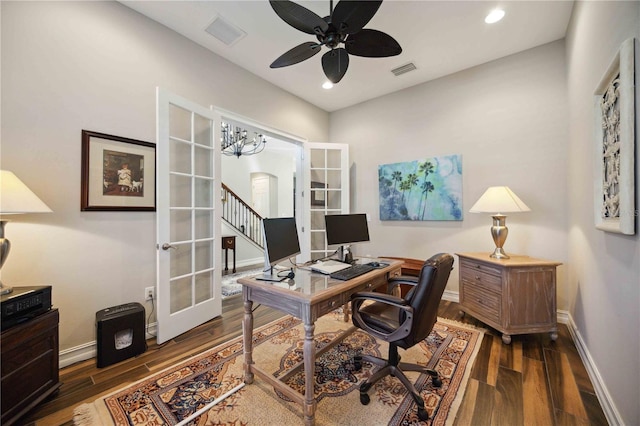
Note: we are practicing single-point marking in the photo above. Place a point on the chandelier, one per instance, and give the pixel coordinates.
(234, 141)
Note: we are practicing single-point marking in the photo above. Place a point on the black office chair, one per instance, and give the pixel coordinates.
(403, 322)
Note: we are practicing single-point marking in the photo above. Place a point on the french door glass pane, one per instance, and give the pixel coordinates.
(204, 193)
(204, 255)
(180, 156)
(180, 260)
(180, 192)
(204, 224)
(180, 294)
(180, 228)
(203, 161)
(179, 123)
(204, 286)
(203, 130)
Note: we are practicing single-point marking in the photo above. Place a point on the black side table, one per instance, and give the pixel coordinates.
(229, 243)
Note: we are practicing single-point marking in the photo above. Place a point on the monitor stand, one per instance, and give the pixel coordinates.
(345, 255)
(269, 275)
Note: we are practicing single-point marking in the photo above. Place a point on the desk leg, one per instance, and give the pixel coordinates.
(247, 341)
(226, 259)
(309, 355)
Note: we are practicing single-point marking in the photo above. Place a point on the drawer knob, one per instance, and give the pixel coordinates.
(478, 278)
(332, 303)
(368, 285)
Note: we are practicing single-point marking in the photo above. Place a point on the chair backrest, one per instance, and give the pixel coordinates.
(425, 297)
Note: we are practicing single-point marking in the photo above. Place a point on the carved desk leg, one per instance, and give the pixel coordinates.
(247, 340)
(309, 355)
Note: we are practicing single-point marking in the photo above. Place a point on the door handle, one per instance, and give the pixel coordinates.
(167, 246)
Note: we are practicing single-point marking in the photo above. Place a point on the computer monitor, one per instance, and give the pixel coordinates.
(280, 243)
(345, 229)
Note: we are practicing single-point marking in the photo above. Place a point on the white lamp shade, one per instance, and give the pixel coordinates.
(17, 198)
(499, 199)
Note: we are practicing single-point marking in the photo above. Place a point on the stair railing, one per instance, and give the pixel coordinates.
(240, 216)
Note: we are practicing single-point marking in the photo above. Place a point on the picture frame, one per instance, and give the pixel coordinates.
(614, 115)
(428, 189)
(117, 173)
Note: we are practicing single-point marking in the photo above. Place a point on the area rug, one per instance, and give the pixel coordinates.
(171, 397)
(230, 286)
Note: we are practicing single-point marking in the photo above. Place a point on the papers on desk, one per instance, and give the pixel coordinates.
(329, 266)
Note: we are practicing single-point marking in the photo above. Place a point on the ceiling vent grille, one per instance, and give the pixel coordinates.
(403, 69)
(225, 31)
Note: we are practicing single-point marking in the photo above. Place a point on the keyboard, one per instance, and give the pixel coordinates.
(352, 272)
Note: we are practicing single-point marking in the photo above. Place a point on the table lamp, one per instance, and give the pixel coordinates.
(498, 200)
(15, 198)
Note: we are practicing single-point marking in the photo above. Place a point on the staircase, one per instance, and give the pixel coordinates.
(240, 216)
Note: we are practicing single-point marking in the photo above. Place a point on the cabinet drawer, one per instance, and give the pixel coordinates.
(482, 302)
(330, 304)
(481, 277)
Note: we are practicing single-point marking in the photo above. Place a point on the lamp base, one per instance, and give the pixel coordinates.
(499, 232)
(499, 253)
(4, 289)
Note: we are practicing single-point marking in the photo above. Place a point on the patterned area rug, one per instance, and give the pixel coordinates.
(230, 286)
(173, 396)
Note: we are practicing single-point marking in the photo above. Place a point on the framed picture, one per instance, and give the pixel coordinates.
(421, 190)
(614, 115)
(118, 174)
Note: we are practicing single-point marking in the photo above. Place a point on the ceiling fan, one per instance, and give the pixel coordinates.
(343, 25)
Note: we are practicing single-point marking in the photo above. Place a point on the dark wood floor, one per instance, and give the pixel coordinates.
(532, 381)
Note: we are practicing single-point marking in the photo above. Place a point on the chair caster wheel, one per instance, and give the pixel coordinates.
(364, 399)
(422, 414)
(436, 382)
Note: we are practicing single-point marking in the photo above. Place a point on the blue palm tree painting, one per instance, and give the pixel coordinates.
(429, 189)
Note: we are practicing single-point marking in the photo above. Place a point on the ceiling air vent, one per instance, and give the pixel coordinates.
(403, 69)
(225, 31)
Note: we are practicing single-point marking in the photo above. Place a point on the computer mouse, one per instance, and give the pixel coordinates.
(374, 264)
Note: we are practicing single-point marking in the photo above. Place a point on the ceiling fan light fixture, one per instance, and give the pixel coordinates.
(327, 85)
(494, 16)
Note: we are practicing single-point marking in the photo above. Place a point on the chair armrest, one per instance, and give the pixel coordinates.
(389, 299)
(400, 332)
(403, 279)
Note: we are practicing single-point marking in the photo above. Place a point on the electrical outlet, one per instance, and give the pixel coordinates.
(149, 293)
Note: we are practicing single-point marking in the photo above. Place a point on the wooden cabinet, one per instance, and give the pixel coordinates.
(29, 364)
(514, 296)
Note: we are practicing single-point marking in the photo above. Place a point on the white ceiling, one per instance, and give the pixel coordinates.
(439, 37)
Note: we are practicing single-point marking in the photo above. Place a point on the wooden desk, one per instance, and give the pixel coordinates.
(229, 243)
(310, 297)
(514, 296)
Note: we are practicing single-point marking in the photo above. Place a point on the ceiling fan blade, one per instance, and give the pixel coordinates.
(299, 17)
(297, 54)
(335, 63)
(372, 44)
(349, 17)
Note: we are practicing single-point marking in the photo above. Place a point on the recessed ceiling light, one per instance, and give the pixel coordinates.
(327, 85)
(494, 16)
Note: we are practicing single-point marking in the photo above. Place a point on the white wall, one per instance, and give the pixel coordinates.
(68, 66)
(508, 119)
(604, 268)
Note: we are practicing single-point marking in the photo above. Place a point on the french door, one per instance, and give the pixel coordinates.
(326, 168)
(188, 215)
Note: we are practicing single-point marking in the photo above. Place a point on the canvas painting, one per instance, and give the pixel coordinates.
(429, 189)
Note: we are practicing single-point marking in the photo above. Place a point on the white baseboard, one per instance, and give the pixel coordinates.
(89, 350)
(606, 401)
